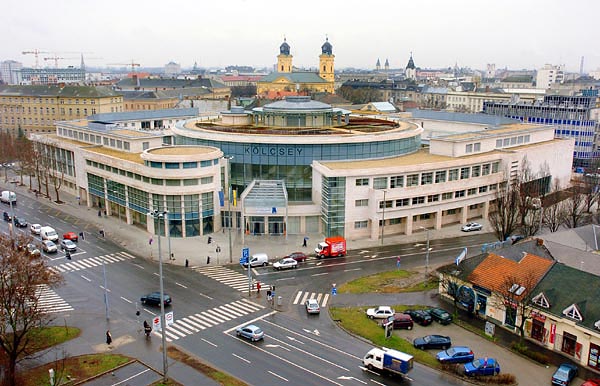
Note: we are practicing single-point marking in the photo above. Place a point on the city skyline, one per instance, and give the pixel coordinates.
(468, 33)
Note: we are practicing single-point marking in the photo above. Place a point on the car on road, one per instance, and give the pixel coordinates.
(472, 226)
(6, 216)
(380, 312)
(433, 341)
(456, 354)
(153, 298)
(71, 236)
(298, 256)
(286, 263)
(35, 229)
(251, 331)
(440, 315)
(68, 245)
(565, 373)
(20, 222)
(49, 246)
(399, 321)
(312, 306)
(33, 250)
(482, 366)
(421, 317)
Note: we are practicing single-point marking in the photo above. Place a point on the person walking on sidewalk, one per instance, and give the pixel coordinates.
(108, 337)
(304, 241)
(258, 288)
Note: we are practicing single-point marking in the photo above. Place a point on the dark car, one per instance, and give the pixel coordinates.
(432, 341)
(457, 354)
(20, 222)
(482, 366)
(421, 317)
(564, 374)
(6, 216)
(440, 315)
(154, 299)
(298, 256)
(399, 321)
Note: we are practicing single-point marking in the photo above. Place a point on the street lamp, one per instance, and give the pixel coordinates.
(229, 197)
(157, 215)
(383, 216)
(426, 255)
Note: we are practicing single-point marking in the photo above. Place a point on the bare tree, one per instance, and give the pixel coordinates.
(589, 188)
(574, 207)
(56, 170)
(23, 275)
(554, 212)
(504, 218)
(515, 294)
(26, 158)
(450, 286)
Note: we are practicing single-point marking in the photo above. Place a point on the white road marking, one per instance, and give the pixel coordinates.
(276, 375)
(320, 274)
(127, 300)
(181, 285)
(239, 357)
(89, 280)
(211, 343)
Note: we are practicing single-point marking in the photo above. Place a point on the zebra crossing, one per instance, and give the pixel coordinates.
(303, 296)
(228, 277)
(192, 324)
(90, 262)
(49, 301)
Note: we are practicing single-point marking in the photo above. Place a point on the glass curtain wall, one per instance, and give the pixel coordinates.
(333, 210)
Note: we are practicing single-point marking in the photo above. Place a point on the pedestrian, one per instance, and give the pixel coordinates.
(81, 235)
(304, 241)
(268, 295)
(108, 337)
(99, 212)
(258, 288)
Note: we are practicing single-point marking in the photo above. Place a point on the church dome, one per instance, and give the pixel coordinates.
(284, 48)
(327, 48)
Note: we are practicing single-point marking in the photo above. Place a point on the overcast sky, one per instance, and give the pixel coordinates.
(516, 34)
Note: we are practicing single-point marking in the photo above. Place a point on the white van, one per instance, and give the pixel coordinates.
(48, 233)
(258, 259)
(8, 197)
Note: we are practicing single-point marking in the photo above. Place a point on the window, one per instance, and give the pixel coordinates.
(380, 183)
(206, 180)
(388, 204)
(156, 181)
(171, 165)
(395, 221)
(412, 180)
(173, 182)
(402, 202)
(440, 176)
(477, 146)
(361, 224)
(190, 165)
(483, 189)
(469, 148)
(453, 175)
(506, 142)
(362, 182)
(126, 146)
(145, 145)
(464, 173)
(418, 200)
(190, 182)
(112, 142)
(485, 169)
(476, 171)
(396, 181)
(495, 167)
(362, 202)
(205, 164)
(427, 178)
(573, 312)
(154, 164)
(447, 196)
(433, 198)
(459, 193)
(472, 191)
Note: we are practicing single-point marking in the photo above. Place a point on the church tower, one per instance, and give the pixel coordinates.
(378, 65)
(387, 65)
(411, 70)
(284, 59)
(326, 61)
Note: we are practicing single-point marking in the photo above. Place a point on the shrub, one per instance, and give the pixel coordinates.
(534, 355)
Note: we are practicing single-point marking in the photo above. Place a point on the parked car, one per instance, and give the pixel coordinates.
(35, 229)
(433, 341)
(312, 306)
(6, 216)
(33, 250)
(49, 246)
(421, 317)
(286, 263)
(565, 373)
(68, 245)
(399, 321)
(482, 366)
(71, 236)
(298, 256)
(440, 315)
(472, 226)
(20, 222)
(456, 354)
(380, 312)
(251, 331)
(153, 298)
(591, 382)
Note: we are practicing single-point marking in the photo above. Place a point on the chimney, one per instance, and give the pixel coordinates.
(540, 242)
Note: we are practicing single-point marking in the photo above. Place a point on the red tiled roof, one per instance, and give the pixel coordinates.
(494, 270)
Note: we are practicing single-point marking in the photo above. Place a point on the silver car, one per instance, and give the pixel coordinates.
(251, 331)
(49, 246)
(68, 245)
(312, 306)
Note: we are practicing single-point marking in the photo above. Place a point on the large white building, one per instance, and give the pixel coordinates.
(548, 75)
(10, 71)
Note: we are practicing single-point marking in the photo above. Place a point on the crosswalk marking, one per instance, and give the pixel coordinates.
(91, 262)
(49, 301)
(321, 298)
(233, 279)
(192, 324)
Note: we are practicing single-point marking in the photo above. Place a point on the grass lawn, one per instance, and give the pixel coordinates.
(51, 336)
(354, 319)
(395, 281)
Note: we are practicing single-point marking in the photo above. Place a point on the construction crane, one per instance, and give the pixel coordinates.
(35, 52)
(132, 64)
(57, 58)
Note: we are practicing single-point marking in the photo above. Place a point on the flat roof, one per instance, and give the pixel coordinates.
(129, 133)
(132, 157)
(492, 132)
(182, 150)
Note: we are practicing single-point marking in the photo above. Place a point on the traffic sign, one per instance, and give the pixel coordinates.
(156, 323)
(169, 318)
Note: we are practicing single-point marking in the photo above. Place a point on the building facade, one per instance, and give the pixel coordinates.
(548, 75)
(34, 109)
(10, 71)
(44, 76)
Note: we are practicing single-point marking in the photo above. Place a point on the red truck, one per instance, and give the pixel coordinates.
(331, 247)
